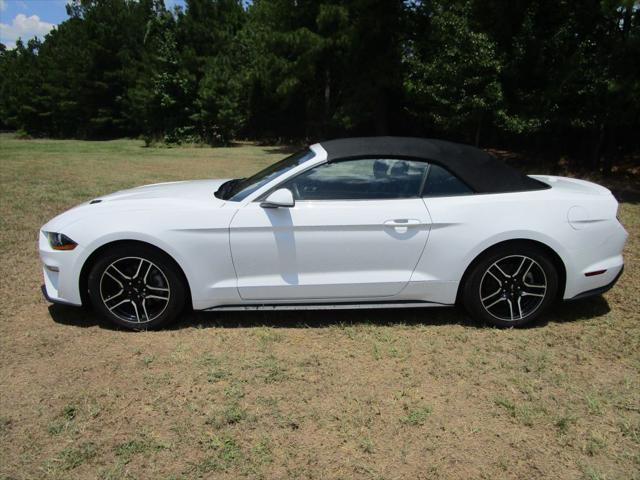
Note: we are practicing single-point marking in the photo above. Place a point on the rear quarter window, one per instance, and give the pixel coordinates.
(442, 183)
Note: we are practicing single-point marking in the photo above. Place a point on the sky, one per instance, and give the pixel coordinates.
(35, 18)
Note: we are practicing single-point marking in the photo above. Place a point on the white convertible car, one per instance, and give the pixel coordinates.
(354, 223)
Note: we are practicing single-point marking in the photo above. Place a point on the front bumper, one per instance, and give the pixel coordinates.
(57, 301)
(61, 271)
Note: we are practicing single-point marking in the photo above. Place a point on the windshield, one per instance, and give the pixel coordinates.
(240, 188)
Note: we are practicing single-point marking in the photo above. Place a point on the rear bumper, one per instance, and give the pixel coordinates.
(599, 290)
(595, 248)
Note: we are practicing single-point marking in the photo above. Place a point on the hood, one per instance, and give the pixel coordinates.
(185, 190)
(165, 196)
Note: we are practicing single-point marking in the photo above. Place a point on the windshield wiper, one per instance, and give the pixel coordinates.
(226, 188)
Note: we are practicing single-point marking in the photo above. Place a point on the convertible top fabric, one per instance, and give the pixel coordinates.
(482, 172)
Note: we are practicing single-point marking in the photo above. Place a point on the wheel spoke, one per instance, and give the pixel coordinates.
(504, 275)
(144, 279)
(135, 307)
(166, 299)
(510, 309)
(491, 295)
(157, 289)
(118, 273)
(114, 279)
(520, 267)
(113, 297)
(534, 290)
(139, 267)
(496, 278)
(144, 309)
(529, 294)
(118, 304)
(519, 307)
(497, 273)
(501, 299)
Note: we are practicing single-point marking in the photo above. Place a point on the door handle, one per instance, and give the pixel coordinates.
(403, 222)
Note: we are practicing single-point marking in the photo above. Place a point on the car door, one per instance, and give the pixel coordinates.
(357, 230)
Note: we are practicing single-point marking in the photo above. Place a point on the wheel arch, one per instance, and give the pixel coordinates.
(553, 255)
(95, 255)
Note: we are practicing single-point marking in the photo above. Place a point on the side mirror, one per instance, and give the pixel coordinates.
(280, 198)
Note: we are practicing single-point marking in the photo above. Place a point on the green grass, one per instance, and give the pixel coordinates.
(224, 453)
(344, 394)
(416, 415)
(142, 445)
(64, 421)
(73, 457)
(522, 412)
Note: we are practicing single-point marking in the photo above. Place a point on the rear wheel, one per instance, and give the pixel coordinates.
(137, 287)
(511, 286)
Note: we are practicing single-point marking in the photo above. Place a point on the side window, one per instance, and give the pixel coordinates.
(441, 183)
(363, 179)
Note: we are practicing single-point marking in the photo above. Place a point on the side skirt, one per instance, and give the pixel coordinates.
(326, 306)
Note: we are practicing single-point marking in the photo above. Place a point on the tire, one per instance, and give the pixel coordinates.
(511, 285)
(137, 287)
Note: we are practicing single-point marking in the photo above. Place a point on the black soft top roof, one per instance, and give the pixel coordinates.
(484, 173)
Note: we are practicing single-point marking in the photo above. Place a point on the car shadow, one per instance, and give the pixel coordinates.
(585, 309)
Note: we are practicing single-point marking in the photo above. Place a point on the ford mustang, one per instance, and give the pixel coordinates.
(381, 222)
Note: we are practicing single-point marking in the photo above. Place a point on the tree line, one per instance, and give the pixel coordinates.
(562, 75)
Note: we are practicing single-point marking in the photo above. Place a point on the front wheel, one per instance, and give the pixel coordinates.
(137, 287)
(511, 286)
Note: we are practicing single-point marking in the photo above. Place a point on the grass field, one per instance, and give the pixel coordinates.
(364, 394)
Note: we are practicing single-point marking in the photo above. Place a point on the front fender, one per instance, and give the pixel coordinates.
(197, 240)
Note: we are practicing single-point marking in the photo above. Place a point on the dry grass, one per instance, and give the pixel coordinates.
(377, 394)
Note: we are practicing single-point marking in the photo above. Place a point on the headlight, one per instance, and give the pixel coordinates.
(59, 241)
